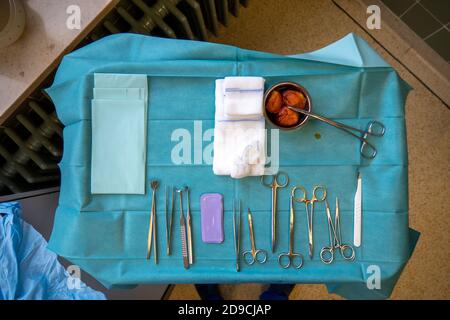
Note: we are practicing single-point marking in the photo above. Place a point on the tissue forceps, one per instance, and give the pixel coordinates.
(374, 128)
(291, 255)
(169, 218)
(237, 231)
(253, 255)
(318, 195)
(274, 185)
(334, 230)
(152, 227)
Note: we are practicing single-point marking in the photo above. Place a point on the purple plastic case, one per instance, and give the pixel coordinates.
(211, 209)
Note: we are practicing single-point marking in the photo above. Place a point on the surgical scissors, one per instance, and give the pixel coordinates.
(291, 255)
(327, 253)
(374, 128)
(274, 185)
(319, 194)
(253, 255)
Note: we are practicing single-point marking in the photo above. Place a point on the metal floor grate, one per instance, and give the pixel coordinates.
(31, 139)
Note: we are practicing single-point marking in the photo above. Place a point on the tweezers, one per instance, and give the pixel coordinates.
(237, 231)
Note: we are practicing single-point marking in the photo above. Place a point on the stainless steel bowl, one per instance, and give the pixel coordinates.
(287, 86)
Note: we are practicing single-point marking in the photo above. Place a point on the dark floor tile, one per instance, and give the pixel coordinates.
(439, 8)
(398, 6)
(440, 42)
(419, 20)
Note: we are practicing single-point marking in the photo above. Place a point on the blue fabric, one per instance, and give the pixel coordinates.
(28, 270)
(119, 129)
(107, 234)
(118, 142)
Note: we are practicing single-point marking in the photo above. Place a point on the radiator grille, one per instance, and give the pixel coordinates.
(31, 139)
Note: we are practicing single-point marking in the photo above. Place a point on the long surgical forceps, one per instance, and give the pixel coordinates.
(237, 231)
(253, 255)
(291, 255)
(274, 185)
(318, 195)
(152, 227)
(374, 128)
(169, 218)
(334, 230)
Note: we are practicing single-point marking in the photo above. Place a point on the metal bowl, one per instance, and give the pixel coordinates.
(287, 86)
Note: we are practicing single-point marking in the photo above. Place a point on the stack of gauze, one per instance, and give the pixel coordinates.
(239, 130)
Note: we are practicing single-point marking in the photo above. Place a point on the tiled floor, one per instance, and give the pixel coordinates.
(430, 19)
(292, 26)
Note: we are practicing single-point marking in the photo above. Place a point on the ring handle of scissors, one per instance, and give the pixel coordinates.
(316, 193)
(376, 128)
(290, 261)
(350, 256)
(275, 180)
(259, 256)
(367, 149)
(300, 199)
(261, 253)
(248, 257)
(327, 255)
(298, 265)
(264, 183)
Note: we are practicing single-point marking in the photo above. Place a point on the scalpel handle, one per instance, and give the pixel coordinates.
(183, 244)
(357, 213)
(189, 239)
